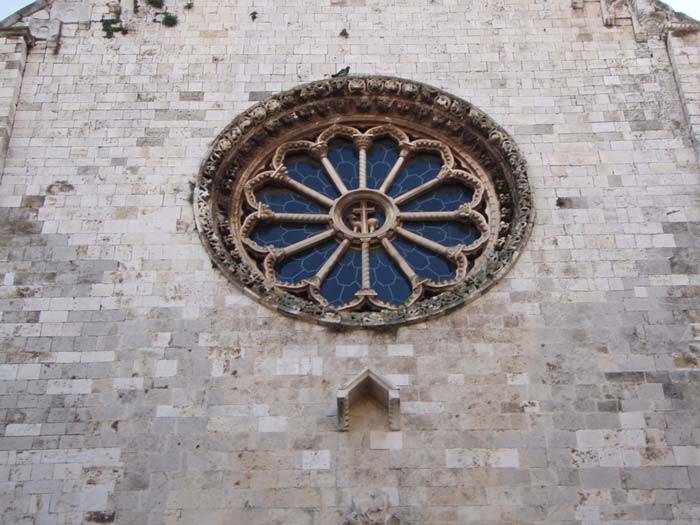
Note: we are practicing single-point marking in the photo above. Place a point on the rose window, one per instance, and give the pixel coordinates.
(361, 218)
(363, 202)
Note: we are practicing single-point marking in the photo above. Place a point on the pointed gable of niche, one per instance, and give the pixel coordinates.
(368, 383)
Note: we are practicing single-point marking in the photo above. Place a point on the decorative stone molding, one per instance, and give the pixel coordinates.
(373, 510)
(680, 28)
(648, 17)
(657, 18)
(368, 383)
(20, 32)
(610, 13)
(252, 149)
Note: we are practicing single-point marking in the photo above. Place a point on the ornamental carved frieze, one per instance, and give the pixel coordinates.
(363, 201)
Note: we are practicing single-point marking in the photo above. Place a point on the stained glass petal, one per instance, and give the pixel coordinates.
(447, 233)
(345, 279)
(306, 264)
(284, 234)
(282, 200)
(310, 172)
(381, 157)
(447, 197)
(387, 279)
(346, 161)
(425, 262)
(417, 171)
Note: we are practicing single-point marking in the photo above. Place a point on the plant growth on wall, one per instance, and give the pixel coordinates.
(115, 24)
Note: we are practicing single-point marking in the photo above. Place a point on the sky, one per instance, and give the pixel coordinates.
(689, 7)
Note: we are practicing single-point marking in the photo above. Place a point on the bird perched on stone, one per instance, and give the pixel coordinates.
(342, 73)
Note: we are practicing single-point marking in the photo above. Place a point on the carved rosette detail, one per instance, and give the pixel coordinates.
(475, 153)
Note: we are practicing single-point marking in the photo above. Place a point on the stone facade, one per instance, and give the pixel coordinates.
(138, 386)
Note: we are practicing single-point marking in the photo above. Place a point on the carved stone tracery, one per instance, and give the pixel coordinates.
(354, 217)
(250, 154)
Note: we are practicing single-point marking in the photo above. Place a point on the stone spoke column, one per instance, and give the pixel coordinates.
(14, 45)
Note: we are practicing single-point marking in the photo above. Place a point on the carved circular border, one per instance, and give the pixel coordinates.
(449, 116)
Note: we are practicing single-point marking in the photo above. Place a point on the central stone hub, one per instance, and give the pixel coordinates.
(364, 214)
(364, 218)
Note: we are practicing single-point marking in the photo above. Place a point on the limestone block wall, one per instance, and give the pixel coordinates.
(137, 386)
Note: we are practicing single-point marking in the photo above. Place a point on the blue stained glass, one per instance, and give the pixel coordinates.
(306, 264)
(346, 161)
(280, 235)
(286, 201)
(345, 279)
(447, 233)
(448, 197)
(387, 279)
(425, 262)
(417, 171)
(309, 172)
(381, 157)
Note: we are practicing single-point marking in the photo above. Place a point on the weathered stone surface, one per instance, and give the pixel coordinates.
(138, 386)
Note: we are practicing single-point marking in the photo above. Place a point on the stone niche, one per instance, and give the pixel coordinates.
(368, 384)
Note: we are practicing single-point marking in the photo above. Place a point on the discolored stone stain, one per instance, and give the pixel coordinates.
(685, 360)
(564, 203)
(348, 3)
(26, 291)
(60, 186)
(98, 516)
(136, 481)
(191, 96)
(33, 201)
(685, 261)
(19, 221)
(625, 377)
(190, 197)
(655, 450)
(673, 391)
(258, 96)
